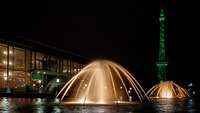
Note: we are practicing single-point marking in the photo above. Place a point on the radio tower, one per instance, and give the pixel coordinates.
(162, 62)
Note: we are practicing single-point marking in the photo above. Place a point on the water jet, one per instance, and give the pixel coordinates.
(102, 82)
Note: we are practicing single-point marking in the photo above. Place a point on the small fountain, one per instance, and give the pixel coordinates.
(102, 82)
(167, 89)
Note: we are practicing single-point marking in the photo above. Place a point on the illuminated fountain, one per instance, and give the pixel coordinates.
(167, 89)
(102, 82)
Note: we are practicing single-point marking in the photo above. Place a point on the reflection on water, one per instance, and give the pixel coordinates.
(191, 106)
(39, 105)
(4, 105)
(168, 105)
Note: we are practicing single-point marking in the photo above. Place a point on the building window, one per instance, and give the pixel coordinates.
(39, 60)
(3, 65)
(3, 78)
(3, 56)
(20, 79)
(53, 64)
(32, 60)
(66, 66)
(19, 59)
(17, 64)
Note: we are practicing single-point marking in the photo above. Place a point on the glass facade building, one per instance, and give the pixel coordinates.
(22, 65)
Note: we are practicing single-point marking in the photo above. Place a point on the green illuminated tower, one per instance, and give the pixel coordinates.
(162, 62)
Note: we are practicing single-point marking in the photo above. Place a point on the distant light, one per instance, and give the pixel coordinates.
(39, 81)
(5, 52)
(57, 80)
(44, 72)
(10, 52)
(56, 100)
(85, 85)
(5, 78)
(10, 73)
(190, 85)
(38, 72)
(130, 88)
(10, 63)
(121, 87)
(4, 62)
(194, 92)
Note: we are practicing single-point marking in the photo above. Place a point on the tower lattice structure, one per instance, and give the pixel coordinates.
(162, 62)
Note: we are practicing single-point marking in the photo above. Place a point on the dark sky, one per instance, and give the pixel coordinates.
(127, 33)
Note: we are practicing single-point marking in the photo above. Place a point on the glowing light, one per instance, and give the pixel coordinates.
(39, 81)
(166, 93)
(10, 52)
(162, 62)
(190, 85)
(167, 89)
(101, 82)
(4, 62)
(57, 80)
(5, 52)
(10, 63)
(56, 100)
(5, 78)
(193, 92)
(10, 73)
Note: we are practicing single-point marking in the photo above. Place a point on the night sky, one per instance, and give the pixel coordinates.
(127, 33)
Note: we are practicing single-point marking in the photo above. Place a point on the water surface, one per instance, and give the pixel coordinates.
(41, 105)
